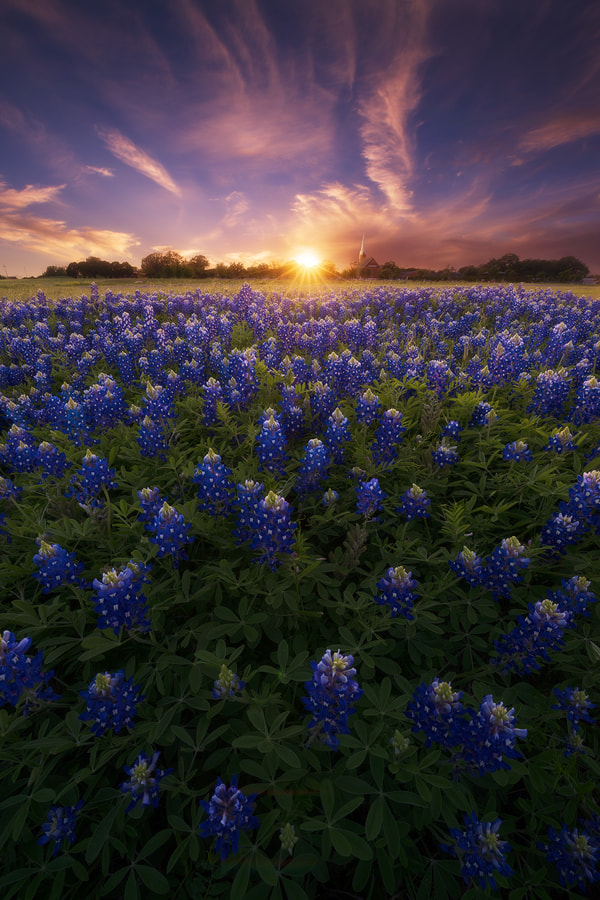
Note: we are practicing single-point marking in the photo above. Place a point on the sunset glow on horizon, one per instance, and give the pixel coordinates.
(255, 130)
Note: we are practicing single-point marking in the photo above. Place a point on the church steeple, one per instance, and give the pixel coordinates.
(363, 253)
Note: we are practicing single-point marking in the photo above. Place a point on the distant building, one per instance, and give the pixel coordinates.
(367, 267)
(589, 279)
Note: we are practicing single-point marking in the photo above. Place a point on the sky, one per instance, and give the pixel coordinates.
(447, 132)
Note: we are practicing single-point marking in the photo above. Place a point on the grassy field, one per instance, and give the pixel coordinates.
(58, 288)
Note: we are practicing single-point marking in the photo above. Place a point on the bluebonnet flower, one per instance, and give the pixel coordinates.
(119, 601)
(227, 684)
(534, 636)
(414, 503)
(56, 567)
(435, 709)
(288, 838)
(445, 454)
(517, 451)
(575, 854)
(331, 692)
(452, 430)
(213, 395)
(336, 435)
(483, 414)
(438, 374)
(551, 392)
(400, 742)
(170, 533)
(9, 490)
(574, 745)
(51, 459)
(215, 490)
(575, 703)
(75, 423)
(562, 529)
(313, 467)
(503, 567)
(271, 443)
(111, 702)
(367, 408)
(330, 497)
(274, 530)
(152, 437)
(21, 675)
(586, 405)
(576, 594)
(387, 437)
(60, 824)
(398, 591)
(229, 812)
(480, 851)
(468, 566)
(248, 518)
(561, 441)
(151, 502)
(584, 498)
(144, 781)
(92, 477)
(370, 498)
(486, 738)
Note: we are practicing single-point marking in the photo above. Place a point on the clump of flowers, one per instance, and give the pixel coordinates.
(111, 702)
(575, 853)
(331, 693)
(445, 454)
(414, 503)
(369, 498)
(274, 532)
(60, 825)
(313, 467)
(229, 812)
(483, 414)
(576, 704)
(56, 567)
(398, 591)
(271, 443)
(480, 851)
(468, 566)
(144, 781)
(517, 451)
(21, 675)
(215, 489)
(534, 636)
(119, 601)
(367, 408)
(503, 567)
(92, 477)
(170, 533)
(561, 441)
(336, 435)
(387, 437)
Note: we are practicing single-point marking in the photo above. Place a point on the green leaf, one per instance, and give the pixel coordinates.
(153, 879)
(101, 833)
(132, 891)
(327, 798)
(374, 821)
(156, 841)
(340, 842)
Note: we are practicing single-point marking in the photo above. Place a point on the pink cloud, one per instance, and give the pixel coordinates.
(561, 130)
(13, 199)
(55, 239)
(125, 150)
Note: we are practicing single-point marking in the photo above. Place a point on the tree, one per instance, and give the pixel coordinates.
(198, 264)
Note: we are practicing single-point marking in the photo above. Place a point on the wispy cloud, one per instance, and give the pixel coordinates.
(100, 170)
(13, 199)
(561, 130)
(237, 205)
(55, 239)
(125, 150)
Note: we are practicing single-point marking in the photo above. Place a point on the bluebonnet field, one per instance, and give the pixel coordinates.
(299, 594)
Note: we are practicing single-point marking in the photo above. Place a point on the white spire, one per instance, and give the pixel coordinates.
(363, 253)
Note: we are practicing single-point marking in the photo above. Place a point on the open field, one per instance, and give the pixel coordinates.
(299, 594)
(56, 288)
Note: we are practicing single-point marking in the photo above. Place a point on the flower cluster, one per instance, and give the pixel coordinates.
(21, 675)
(561, 441)
(575, 853)
(576, 704)
(370, 498)
(229, 812)
(479, 741)
(313, 467)
(144, 781)
(483, 414)
(331, 692)
(480, 851)
(398, 591)
(119, 601)
(92, 477)
(215, 489)
(111, 702)
(534, 636)
(56, 567)
(387, 437)
(271, 443)
(170, 533)
(367, 408)
(60, 824)
(445, 454)
(414, 503)
(336, 435)
(274, 532)
(517, 451)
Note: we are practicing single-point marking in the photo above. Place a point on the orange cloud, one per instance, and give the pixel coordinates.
(13, 199)
(138, 159)
(561, 130)
(54, 238)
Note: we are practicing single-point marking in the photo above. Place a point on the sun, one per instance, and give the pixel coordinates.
(308, 259)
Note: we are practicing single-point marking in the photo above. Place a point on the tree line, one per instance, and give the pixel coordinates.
(170, 264)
